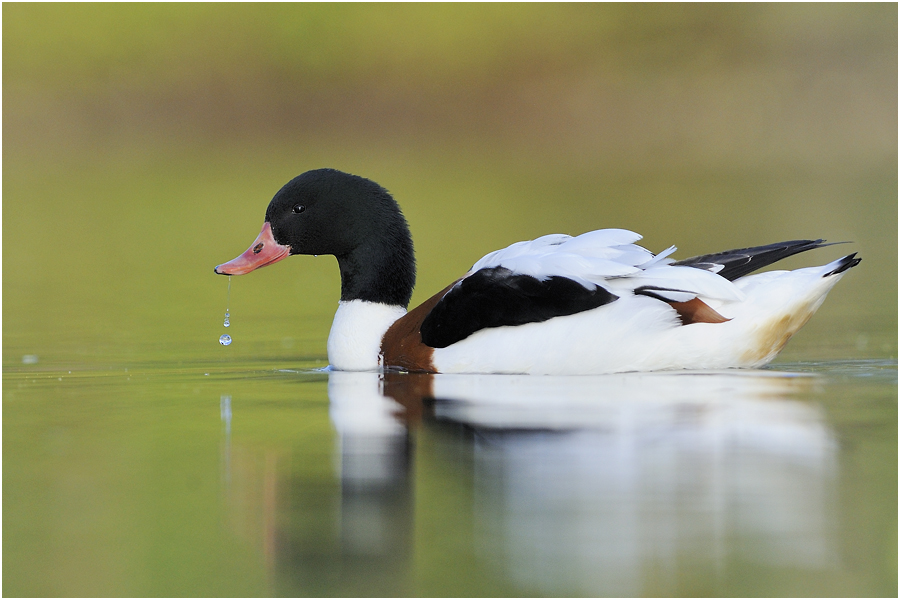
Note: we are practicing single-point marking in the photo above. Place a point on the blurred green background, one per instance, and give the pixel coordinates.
(142, 143)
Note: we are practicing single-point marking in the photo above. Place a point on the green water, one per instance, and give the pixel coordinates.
(141, 145)
(235, 479)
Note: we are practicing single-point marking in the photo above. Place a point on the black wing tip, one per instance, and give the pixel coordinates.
(844, 264)
(743, 261)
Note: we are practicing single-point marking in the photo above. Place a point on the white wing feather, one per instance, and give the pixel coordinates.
(609, 258)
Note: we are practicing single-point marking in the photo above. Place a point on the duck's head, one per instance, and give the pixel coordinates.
(326, 211)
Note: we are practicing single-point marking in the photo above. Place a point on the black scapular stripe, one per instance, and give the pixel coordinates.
(496, 296)
(742, 261)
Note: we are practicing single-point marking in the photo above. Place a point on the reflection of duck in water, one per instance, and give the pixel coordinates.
(595, 303)
(600, 485)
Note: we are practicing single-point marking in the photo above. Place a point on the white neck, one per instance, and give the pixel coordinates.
(354, 343)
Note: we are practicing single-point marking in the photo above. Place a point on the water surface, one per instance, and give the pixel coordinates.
(241, 479)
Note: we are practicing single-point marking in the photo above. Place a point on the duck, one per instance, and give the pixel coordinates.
(594, 303)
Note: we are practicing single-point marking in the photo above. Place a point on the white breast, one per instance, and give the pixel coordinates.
(355, 339)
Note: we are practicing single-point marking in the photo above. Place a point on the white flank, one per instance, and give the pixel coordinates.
(637, 333)
(355, 339)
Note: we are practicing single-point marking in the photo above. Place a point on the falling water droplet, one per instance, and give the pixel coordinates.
(225, 339)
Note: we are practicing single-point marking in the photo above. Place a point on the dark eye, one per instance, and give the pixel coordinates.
(298, 208)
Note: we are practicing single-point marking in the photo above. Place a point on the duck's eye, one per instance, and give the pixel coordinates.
(298, 208)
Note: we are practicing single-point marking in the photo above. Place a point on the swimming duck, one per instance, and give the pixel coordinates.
(589, 304)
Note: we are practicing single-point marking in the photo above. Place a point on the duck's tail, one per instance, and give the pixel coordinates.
(842, 264)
